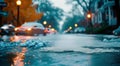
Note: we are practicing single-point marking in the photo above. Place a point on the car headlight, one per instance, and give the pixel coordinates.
(29, 29)
(16, 29)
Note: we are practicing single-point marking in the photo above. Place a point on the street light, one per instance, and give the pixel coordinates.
(45, 22)
(76, 25)
(18, 2)
(70, 27)
(89, 15)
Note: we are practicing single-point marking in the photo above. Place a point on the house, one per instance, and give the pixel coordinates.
(104, 12)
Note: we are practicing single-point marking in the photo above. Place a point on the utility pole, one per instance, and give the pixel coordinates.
(18, 2)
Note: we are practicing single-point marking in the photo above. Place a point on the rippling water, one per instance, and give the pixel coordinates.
(77, 50)
(70, 58)
(74, 50)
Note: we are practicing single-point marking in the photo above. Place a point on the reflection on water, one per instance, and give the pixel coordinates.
(20, 38)
(105, 59)
(69, 50)
(19, 59)
(72, 59)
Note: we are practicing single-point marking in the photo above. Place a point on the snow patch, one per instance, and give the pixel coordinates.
(81, 50)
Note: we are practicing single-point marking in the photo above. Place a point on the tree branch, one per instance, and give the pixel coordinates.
(87, 6)
(82, 6)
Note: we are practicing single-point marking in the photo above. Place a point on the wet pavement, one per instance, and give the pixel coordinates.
(71, 50)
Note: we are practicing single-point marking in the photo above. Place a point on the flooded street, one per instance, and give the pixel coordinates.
(59, 32)
(72, 50)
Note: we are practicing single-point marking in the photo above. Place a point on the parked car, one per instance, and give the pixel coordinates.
(117, 31)
(30, 28)
(52, 31)
(7, 29)
(79, 30)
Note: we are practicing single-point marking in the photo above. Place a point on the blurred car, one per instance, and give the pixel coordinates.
(7, 29)
(117, 31)
(52, 31)
(30, 28)
(79, 30)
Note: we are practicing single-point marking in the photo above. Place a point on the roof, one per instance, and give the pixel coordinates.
(33, 24)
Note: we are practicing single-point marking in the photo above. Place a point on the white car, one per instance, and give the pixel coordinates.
(30, 28)
(79, 30)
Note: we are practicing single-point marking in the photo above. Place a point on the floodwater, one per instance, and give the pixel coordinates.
(75, 50)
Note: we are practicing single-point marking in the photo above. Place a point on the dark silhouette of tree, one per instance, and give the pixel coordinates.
(85, 4)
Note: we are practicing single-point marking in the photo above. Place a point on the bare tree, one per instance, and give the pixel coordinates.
(85, 4)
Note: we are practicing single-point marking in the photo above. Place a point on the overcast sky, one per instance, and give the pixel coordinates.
(62, 4)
